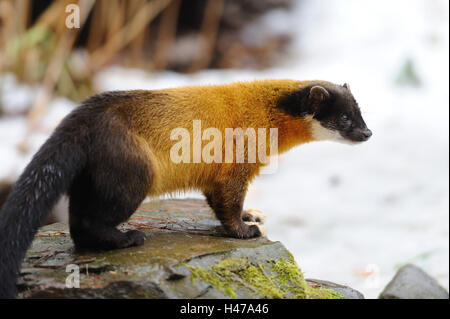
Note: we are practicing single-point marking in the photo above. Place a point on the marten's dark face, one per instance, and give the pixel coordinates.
(331, 109)
(336, 115)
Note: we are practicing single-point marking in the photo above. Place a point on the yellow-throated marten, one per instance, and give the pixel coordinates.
(114, 150)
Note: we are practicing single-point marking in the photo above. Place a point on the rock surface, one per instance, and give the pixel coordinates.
(411, 282)
(186, 255)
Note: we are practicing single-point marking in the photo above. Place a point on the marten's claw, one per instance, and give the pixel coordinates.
(261, 227)
(254, 215)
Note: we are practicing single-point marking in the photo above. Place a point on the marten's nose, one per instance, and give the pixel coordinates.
(367, 133)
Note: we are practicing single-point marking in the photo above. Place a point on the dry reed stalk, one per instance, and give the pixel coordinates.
(208, 33)
(115, 18)
(137, 44)
(22, 15)
(7, 14)
(53, 72)
(166, 35)
(51, 14)
(125, 35)
(97, 29)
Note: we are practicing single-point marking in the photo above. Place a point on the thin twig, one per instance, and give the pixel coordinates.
(208, 34)
(166, 35)
(124, 36)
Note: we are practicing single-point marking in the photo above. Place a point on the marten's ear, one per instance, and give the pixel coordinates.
(318, 93)
(347, 86)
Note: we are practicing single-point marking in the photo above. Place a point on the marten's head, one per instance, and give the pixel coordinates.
(332, 110)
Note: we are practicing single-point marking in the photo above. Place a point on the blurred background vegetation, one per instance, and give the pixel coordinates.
(181, 35)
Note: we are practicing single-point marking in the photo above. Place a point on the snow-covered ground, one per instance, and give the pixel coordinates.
(352, 215)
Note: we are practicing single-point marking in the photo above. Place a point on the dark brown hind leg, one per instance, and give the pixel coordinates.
(110, 189)
(96, 210)
(226, 200)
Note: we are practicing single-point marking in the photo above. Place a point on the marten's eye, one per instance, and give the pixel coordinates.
(345, 119)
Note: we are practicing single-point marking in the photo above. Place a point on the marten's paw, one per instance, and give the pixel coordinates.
(261, 228)
(254, 215)
(135, 238)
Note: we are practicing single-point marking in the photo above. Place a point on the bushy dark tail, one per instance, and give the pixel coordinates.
(49, 174)
(5, 189)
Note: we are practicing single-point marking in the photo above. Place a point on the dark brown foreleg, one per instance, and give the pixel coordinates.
(226, 199)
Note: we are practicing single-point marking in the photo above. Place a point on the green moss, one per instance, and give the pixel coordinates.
(291, 277)
(219, 276)
(284, 279)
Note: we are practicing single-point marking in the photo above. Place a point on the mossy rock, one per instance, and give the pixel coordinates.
(186, 255)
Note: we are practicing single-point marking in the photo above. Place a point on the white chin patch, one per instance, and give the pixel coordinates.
(320, 133)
